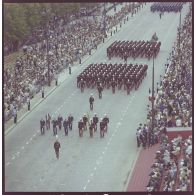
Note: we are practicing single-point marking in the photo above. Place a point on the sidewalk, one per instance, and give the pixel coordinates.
(23, 112)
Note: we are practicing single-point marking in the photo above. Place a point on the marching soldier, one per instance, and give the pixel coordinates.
(85, 120)
(80, 127)
(42, 126)
(70, 121)
(57, 147)
(65, 124)
(128, 86)
(113, 84)
(82, 85)
(48, 119)
(91, 100)
(95, 121)
(102, 126)
(100, 89)
(55, 123)
(60, 119)
(91, 127)
(106, 121)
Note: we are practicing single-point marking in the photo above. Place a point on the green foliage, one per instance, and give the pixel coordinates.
(21, 18)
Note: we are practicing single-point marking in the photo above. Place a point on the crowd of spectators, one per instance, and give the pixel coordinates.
(173, 108)
(172, 168)
(173, 103)
(60, 45)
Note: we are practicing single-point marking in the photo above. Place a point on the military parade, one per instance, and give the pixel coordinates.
(93, 87)
(167, 7)
(105, 76)
(133, 49)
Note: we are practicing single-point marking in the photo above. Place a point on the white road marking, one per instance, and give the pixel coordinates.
(92, 174)
(8, 163)
(27, 143)
(108, 143)
(37, 131)
(106, 148)
(84, 188)
(34, 135)
(31, 139)
(97, 162)
(13, 157)
(88, 181)
(95, 168)
(22, 147)
(17, 153)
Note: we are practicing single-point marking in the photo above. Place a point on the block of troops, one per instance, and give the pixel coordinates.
(104, 75)
(167, 7)
(134, 49)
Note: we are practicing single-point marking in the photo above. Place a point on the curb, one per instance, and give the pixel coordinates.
(27, 113)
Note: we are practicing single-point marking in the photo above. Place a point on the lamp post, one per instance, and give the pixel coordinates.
(48, 62)
(180, 38)
(153, 98)
(104, 20)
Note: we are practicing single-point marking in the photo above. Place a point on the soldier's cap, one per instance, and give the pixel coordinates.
(105, 114)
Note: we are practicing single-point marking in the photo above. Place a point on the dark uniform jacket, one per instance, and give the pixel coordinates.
(57, 145)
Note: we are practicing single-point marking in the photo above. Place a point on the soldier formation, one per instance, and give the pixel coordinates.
(57, 123)
(134, 49)
(167, 7)
(105, 75)
(86, 123)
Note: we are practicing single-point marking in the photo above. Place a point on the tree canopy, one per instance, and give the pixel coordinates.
(21, 18)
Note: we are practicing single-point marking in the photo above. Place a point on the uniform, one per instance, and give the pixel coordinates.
(102, 128)
(91, 100)
(55, 123)
(91, 127)
(57, 148)
(80, 127)
(42, 126)
(60, 119)
(65, 125)
(70, 121)
(106, 121)
(100, 89)
(95, 121)
(48, 119)
(85, 120)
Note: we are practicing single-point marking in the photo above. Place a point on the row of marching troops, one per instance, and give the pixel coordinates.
(104, 75)
(56, 123)
(92, 123)
(167, 7)
(83, 124)
(134, 49)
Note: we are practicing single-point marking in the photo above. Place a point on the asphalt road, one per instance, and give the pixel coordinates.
(87, 164)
